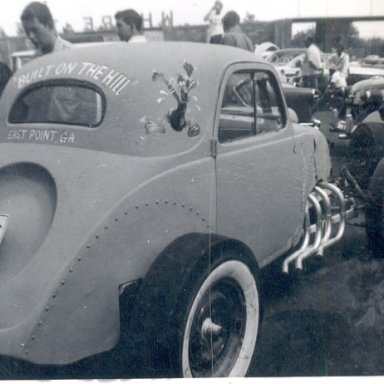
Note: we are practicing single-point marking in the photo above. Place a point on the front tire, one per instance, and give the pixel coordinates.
(375, 213)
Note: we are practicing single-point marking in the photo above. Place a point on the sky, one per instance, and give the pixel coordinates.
(189, 11)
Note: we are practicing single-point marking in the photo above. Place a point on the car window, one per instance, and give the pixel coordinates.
(59, 103)
(251, 105)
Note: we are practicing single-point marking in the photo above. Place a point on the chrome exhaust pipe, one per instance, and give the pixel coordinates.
(318, 235)
(303, 246)
(327, 225)
(337, 192)
(323, 226)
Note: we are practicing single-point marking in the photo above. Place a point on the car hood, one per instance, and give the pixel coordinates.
(365, 85)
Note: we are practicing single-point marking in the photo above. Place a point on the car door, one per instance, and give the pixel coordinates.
(259, 170)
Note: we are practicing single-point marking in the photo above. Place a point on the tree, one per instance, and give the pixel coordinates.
(299, 38)
(249, 18)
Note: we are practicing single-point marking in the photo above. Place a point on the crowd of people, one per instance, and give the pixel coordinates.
(39, 26)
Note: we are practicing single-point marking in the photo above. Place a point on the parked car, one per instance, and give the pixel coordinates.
(287, 62)
(370, 66)
(20, 58)
(263, 50)
(362, 171)
(365, 97)
(142, 189)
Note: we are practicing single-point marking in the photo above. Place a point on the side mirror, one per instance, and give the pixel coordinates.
(316, 123)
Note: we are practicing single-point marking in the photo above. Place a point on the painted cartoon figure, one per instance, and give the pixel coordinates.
(180, 89)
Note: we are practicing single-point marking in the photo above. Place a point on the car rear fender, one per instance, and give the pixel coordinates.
(82, 316)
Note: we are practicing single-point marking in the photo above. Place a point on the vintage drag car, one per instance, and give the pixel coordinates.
(364, 171)
(366, 96)
(142, 188)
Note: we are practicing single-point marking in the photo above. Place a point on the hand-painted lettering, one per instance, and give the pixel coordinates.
(42, 135)
(92, 70)
(100, 72)
(67, 138)
(17, 134)
(60, 69)
(108, 77)
(84, 66)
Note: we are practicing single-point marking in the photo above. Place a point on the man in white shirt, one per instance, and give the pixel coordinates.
(129, 26)
(311, 67)
(215, 28)
(339, 66)
(338, 69)
(39, 26)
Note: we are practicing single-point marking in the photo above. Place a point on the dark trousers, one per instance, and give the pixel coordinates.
(311, 81)
(216, 39)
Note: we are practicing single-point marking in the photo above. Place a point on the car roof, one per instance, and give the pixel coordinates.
(139, 84)
(209, 57)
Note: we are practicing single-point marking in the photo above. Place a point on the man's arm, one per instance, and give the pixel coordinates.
(208, 15)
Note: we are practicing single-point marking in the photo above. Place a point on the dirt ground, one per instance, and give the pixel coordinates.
(329, 321)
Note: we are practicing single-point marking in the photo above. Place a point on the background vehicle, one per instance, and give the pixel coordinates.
(142, 188)
(364, 69)
(365, 97)
(364, 169)
(288, 63)
(20, 58)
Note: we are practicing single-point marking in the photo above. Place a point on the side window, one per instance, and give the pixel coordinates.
(251, 105)
(237, 118)
(269, 109)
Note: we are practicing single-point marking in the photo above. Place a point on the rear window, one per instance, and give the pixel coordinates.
(59, 103)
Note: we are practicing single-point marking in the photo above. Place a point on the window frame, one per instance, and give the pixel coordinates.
(274, 83)
(62, 82)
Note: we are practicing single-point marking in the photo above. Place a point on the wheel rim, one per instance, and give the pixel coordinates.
(222, 325)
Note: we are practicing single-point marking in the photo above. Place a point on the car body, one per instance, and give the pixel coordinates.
(265, 49)
(288, 63)
(366, 96)
(370, 66)
(363, 173)
(129, 167)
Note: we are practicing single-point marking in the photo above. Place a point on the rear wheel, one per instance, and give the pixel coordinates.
(222, 323)
(199, 315)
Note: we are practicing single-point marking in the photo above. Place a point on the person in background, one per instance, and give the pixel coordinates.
(338, 65)
(338, 70)
(311, 67)
(39, 26)
(129, 26)
(233, 35)
(215, 28)
(5, 75)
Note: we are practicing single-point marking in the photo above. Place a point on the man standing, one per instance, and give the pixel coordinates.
(129, 26)
(215, 28)
(338, 69)
(311, 67)
(39, 26)
(338, 65)
(232, 32)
